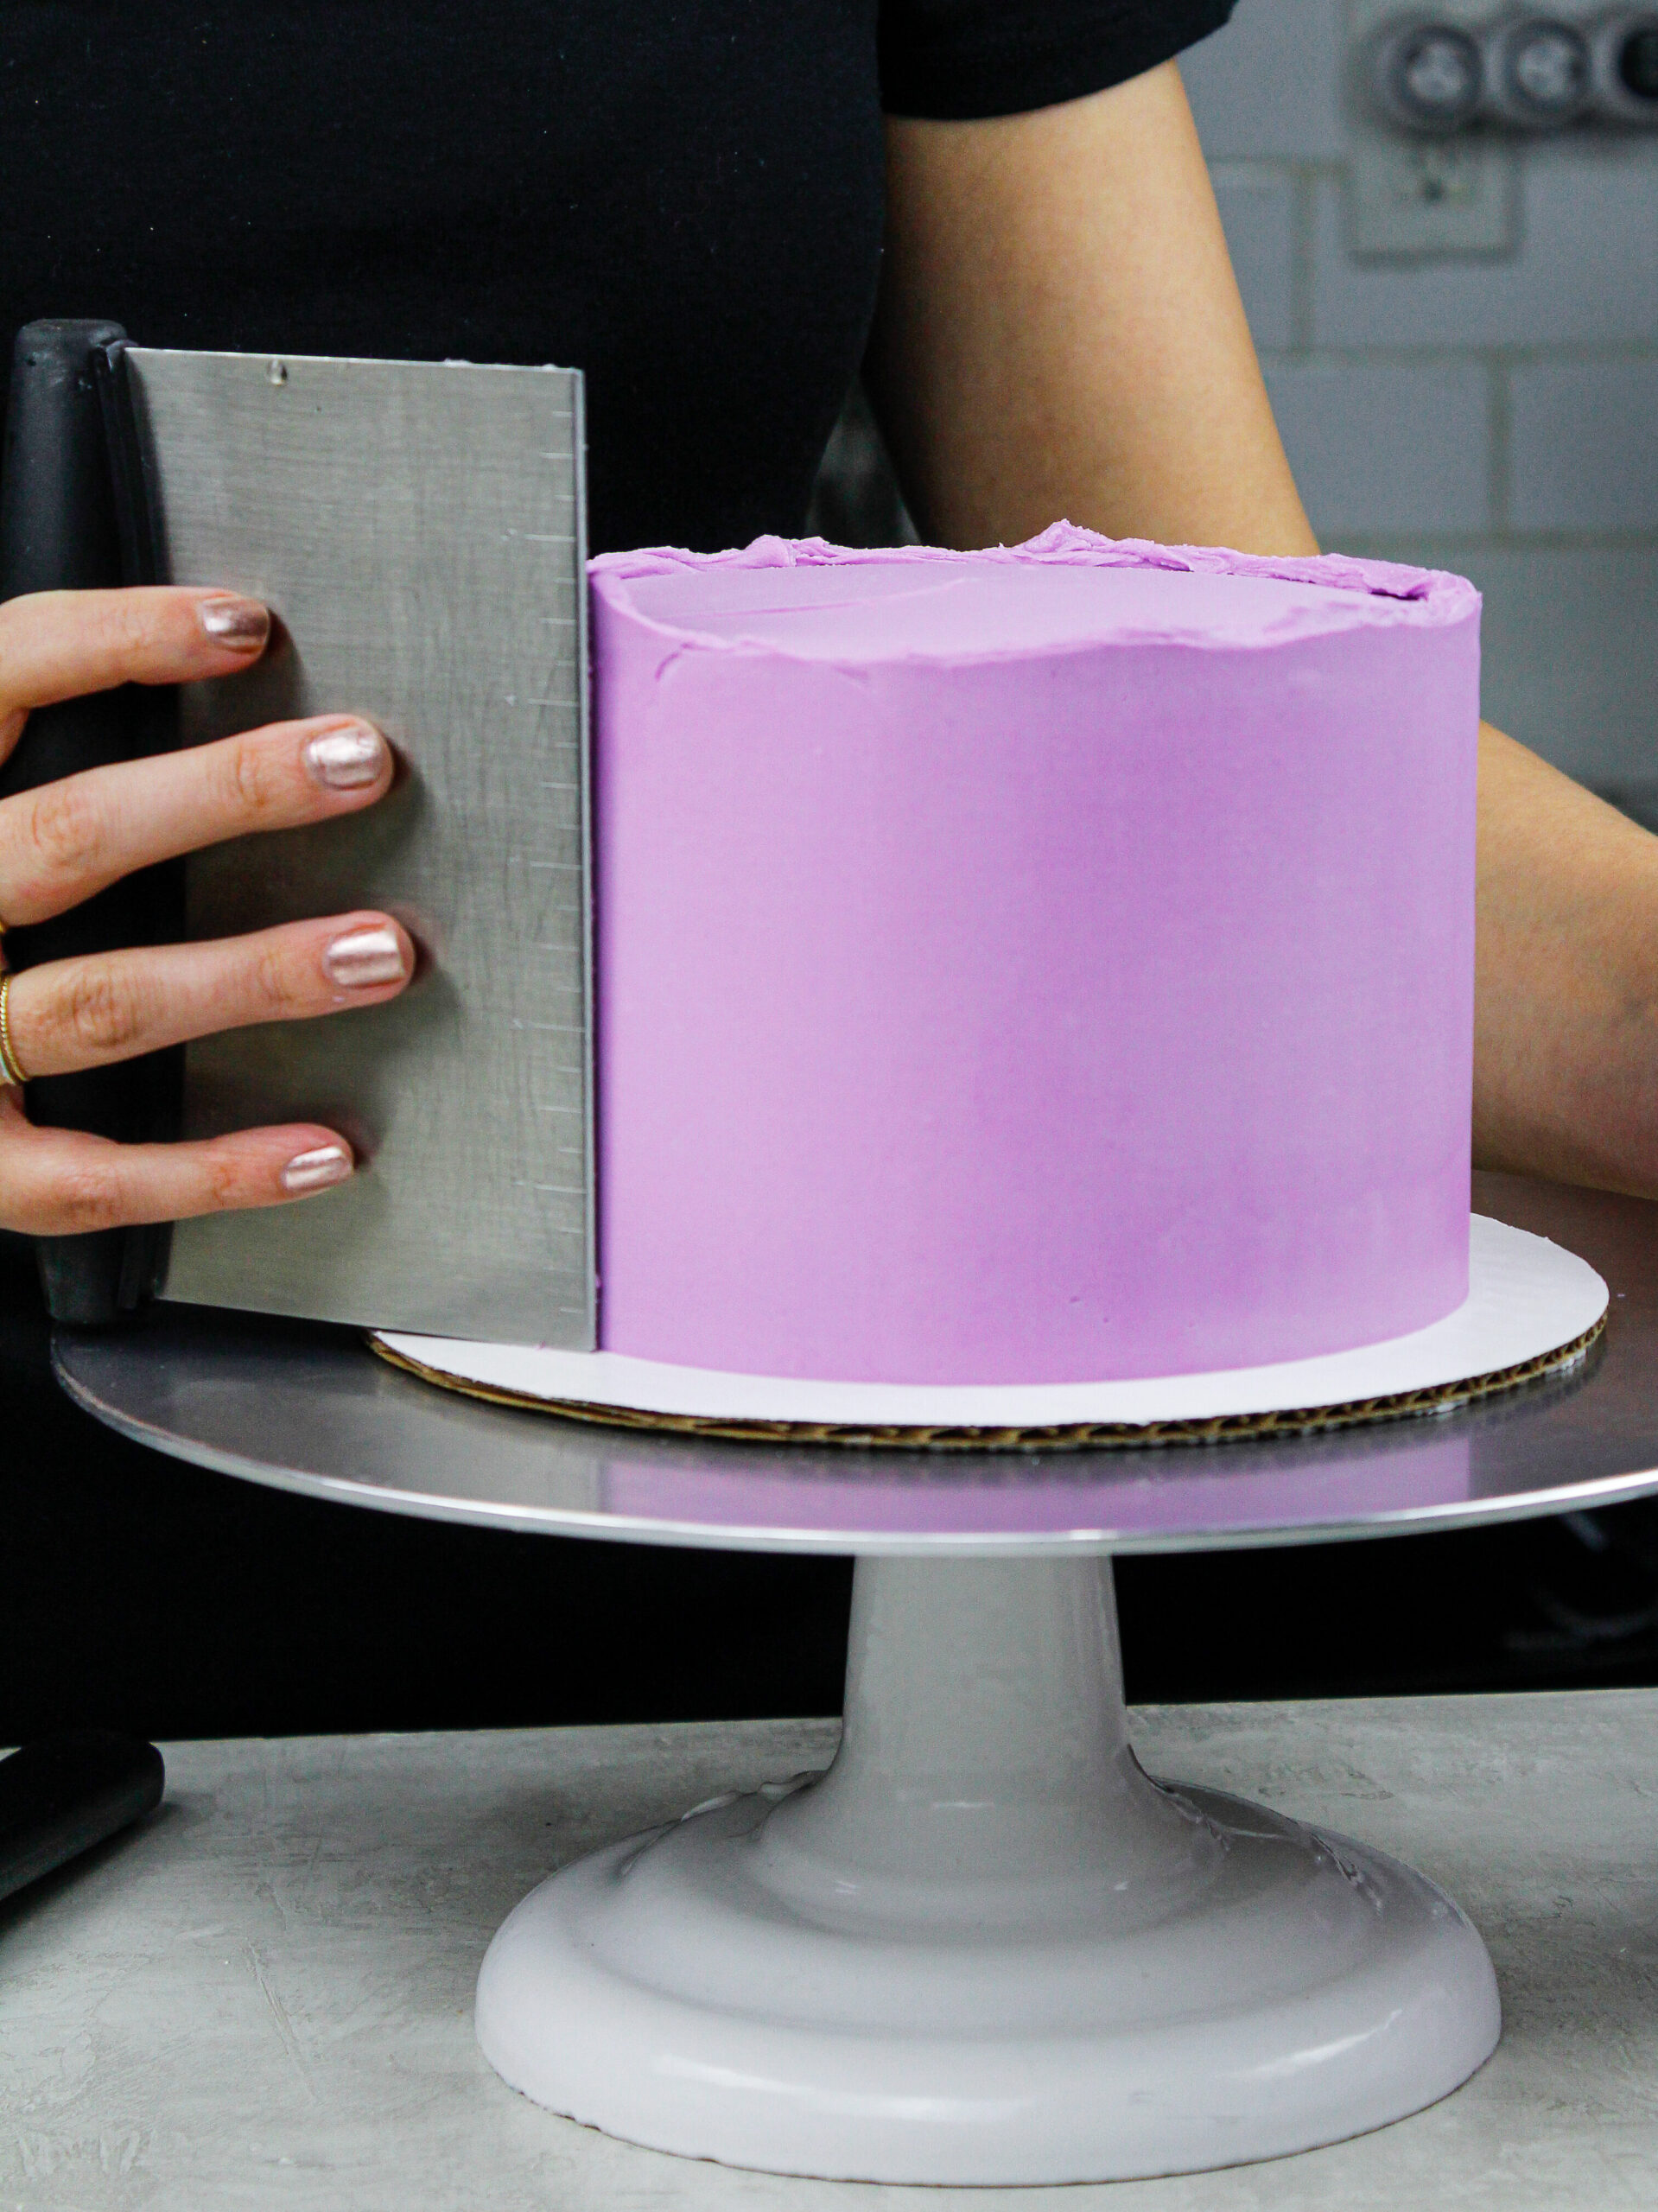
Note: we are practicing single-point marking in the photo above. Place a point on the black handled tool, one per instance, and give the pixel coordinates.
(73, 517)
(62, 1794)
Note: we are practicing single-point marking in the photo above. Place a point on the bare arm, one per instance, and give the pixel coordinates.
(1060, 333)
(1059, 330)
(1566, 997)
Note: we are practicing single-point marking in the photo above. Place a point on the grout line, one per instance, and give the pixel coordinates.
(1303, 257)
(1440, 353)
(1432, 548)
(1500, 483)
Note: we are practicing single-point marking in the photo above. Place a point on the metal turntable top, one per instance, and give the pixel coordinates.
(308, 1408)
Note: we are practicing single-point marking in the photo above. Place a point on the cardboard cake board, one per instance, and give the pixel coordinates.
(1533, 1309)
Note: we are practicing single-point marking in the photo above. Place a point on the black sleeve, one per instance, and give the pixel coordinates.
(960, 60)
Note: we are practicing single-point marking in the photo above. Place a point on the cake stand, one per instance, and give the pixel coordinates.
(985, 1947)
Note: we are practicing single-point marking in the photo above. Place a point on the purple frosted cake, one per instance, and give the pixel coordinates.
(1047, 965)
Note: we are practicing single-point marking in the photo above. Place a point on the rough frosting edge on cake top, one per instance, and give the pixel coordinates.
(1375, 591)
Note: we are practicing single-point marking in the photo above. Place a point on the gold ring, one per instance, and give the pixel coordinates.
(11, 1070)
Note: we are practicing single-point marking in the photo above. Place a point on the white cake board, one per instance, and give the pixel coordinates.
(985, 1948)
(1528, 1300)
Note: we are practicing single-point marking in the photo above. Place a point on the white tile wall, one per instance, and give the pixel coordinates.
(1270, 82)
(1570, 637)
(1584, 441)
(1585, 272)
(1257, 205)
(1498, 415)
(1387, 446)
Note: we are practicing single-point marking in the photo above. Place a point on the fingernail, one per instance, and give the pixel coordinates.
(346, 757)
(241, 625)
(365, 956)
(314, 1171)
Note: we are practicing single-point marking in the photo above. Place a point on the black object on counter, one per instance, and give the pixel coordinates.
(73, 517)
(62, 1794)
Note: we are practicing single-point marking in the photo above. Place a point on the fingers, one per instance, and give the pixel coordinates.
(61, 844)
(58, 1183)
(56, 645)
(84, 1014)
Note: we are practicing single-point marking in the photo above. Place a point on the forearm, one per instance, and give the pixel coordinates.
(1565, 1019)
(1060, 333)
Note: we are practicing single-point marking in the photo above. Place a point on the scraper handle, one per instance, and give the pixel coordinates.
(73, 517)
(63, 1794)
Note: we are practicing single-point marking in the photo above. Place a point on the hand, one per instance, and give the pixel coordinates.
(63, 841)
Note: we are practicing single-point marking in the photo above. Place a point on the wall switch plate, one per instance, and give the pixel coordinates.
(1431, 196)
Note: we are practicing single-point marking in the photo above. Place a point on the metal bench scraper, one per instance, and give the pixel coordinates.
(418, 530)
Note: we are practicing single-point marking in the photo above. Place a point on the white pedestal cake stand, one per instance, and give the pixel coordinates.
(985, 1947)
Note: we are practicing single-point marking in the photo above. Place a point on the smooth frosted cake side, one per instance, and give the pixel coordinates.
(1049, 964)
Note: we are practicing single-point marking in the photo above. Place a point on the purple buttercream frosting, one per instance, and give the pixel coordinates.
(1442, 596)
(1049, 964)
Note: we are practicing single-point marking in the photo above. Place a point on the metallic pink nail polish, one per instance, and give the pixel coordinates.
(314, 1171)
(363, 957)
(347, 757)
(240, 626)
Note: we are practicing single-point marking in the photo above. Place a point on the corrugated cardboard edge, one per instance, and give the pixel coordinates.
(1072, 1436)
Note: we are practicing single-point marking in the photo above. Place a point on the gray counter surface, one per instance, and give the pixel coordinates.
(262, 1998)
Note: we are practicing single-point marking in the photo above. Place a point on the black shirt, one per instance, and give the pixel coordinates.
(684, 199)
(680, 197)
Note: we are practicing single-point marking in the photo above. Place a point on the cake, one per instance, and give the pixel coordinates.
(1047, 965)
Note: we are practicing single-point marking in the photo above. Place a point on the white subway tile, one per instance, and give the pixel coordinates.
(1269, 83)
(1586, 445)
(1387, 447)
(1570, 640)
(1258, 210)
(1586, 270)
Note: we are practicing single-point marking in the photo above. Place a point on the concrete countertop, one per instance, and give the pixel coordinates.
(262, 1998)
